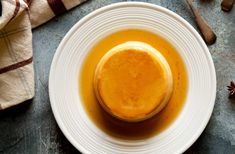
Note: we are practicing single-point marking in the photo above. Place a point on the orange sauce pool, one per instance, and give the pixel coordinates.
(144, 129)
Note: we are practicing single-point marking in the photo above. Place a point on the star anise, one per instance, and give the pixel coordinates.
(231, 89)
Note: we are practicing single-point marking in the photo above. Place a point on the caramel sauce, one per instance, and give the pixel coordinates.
(147, 128)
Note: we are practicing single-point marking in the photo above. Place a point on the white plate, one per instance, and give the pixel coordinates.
(63, 82)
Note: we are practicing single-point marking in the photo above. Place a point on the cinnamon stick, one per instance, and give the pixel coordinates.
(207, 32)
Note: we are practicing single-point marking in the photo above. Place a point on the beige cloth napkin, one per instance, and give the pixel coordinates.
(16, 62)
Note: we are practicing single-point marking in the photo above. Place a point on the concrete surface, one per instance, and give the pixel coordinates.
(31, 128)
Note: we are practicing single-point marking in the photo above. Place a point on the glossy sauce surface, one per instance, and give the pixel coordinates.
(147, 128)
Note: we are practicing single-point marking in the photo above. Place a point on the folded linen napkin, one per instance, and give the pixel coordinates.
(16, 62)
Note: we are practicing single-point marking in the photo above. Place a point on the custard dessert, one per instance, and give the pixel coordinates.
(133, 81)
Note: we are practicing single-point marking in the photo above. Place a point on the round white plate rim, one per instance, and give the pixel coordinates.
(100, 10)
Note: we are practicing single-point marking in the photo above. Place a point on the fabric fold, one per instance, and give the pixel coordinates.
(16, 52)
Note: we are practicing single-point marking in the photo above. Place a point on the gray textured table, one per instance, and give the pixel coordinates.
(31, 127)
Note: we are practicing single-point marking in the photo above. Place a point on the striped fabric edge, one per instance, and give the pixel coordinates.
(17, 8)
(57, 6)
(16, 65)
(18, 4)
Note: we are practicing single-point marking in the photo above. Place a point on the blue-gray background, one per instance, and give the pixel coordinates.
(31, 127)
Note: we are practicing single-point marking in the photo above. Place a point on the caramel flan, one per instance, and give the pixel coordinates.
(133, 81)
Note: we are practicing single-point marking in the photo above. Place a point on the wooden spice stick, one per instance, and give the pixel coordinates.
(227, 5)
(208, 34)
